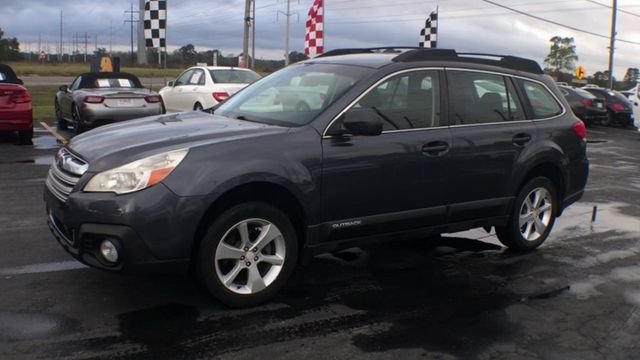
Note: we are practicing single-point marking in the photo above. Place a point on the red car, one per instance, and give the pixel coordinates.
(15, 106)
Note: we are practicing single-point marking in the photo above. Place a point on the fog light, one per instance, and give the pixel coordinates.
(109, 251)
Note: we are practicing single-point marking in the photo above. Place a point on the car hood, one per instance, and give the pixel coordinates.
(117, 144)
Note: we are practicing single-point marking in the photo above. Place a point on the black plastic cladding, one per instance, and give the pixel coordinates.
(425, 54)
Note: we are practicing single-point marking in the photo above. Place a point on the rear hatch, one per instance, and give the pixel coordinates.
(599, 104)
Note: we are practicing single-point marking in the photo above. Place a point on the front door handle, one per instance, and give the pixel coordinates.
(521, 139)
(435, 148)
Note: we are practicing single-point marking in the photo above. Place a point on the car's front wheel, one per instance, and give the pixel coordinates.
(247, 254)
(78, 125)
(61, 124)
(532, 216)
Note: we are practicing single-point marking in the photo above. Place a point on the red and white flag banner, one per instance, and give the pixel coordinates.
(314, 35)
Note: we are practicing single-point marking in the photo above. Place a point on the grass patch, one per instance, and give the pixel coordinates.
(42, 98)
(23, 68)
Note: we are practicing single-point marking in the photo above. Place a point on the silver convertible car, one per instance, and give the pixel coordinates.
(99, 98)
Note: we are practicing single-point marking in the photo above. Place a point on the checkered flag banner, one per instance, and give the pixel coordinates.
(429, 34)
(155, 23)
(314, 35)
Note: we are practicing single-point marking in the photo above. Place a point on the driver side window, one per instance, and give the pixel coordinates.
(406, 101)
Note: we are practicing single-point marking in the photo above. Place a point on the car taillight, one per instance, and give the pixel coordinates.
(20, 97)
(587, 102)
(92, 99)
(220, 96)
(153, 99)
(579, 129)
(617, 107)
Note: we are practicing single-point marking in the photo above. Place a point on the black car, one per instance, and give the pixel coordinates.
(619, 109)
(421, 142)
(588, 107)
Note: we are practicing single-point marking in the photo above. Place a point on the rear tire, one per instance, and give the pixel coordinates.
(239, 265)
(25, 137)
(197, 107)
(532, 216)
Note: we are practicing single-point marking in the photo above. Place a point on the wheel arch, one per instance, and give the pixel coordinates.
(552, 172)
(262, 191)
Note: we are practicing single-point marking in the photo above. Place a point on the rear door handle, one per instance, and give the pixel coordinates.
(521, 139)
(435, 148)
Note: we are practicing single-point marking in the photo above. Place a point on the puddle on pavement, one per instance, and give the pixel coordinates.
(576, 220)
(46, 142)
(30, 326)
(37, 160)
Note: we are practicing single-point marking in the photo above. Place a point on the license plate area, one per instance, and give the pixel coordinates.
(125, 103)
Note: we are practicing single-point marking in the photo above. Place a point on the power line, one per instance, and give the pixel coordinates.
(609, 7)
(557, 23)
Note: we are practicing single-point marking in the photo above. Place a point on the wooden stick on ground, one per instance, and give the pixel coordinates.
(54, 133)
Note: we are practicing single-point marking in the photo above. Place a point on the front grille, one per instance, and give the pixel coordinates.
(64, 173)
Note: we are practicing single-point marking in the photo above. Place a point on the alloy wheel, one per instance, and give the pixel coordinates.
(250, 256)
(535, 214)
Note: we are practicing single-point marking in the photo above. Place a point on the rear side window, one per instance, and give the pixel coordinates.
(480, 98)
(406, 101)
(543, 104)
(233, 76)
(3, 77)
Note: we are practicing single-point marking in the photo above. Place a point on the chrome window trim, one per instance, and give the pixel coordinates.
(376, 84)
(564, 110)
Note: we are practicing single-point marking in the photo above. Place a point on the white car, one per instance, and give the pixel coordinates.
(633, 95)
(201, 87)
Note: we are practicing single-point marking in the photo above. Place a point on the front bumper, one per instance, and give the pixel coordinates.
(153, 229)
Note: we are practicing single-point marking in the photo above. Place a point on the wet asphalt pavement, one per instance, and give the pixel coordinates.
(461, 296)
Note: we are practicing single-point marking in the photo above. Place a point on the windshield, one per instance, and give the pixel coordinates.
(293, 96)
(233, 76)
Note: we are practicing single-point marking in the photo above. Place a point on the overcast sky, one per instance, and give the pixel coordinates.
(465, 25)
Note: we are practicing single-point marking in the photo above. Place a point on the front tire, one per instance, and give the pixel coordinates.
(247, 254)
(78, 126)
(25, 137)
(532, 216)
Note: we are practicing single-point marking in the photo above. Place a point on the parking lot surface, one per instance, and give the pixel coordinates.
(458, 296)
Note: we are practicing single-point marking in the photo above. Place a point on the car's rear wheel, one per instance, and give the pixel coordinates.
(197, 107)
(247, 254)
(532, 216)
(25, 137)
(78, 126)
(61, 124)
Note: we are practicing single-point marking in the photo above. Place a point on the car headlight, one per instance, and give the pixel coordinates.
(136, 175)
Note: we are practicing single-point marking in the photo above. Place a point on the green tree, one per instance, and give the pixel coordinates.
(9, 48)
(601, 78)
(631, 78)
(295, 56)
(562, 55)
(188, 53)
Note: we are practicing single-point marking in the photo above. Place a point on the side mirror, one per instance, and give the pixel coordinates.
(63, 88)
(362, 122)
(170, 83)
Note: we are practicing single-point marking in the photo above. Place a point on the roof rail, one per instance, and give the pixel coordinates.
(349, 51)
(425, 54)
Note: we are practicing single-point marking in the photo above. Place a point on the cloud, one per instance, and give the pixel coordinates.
(467, 25)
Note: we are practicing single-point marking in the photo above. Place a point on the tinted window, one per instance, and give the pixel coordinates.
(406, 101)
(478, 98)
(3, 77)
(544, 105)
(184, 78)
(233, 76)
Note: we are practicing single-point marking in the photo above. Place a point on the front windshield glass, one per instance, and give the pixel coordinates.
(293, 96)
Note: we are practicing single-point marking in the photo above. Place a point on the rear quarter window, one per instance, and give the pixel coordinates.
(543, 104)
(2, 76)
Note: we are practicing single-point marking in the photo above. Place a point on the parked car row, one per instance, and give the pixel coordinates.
(596, 105)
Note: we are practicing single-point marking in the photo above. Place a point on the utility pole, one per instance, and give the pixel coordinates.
(288, 14)
(77, 43)
(110, 36)
(131, 21)
(60, 48)
(142, 48)
(245, 42)
(612, 41)
(253, 35)
(39, 42)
